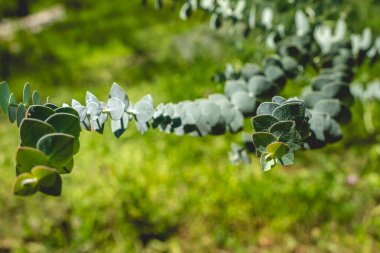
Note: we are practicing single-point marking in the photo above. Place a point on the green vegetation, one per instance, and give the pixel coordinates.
(164, 193)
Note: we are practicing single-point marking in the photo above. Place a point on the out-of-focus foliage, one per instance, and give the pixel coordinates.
(166, 193)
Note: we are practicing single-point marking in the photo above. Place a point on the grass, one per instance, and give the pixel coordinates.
(163, 193)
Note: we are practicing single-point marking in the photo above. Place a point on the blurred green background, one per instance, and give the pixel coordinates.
(163, 193)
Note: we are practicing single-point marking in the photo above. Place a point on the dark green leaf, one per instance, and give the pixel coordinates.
(65, 123)
(58, 147)
(262, 140)
(49, 180)
(46, 176)
(31, 130)
(67, 110)
(286, 132)
(262, 123)
(40, 112)
(290, 111)
(51, 106)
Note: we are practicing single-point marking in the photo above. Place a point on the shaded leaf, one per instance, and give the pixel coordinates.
(290, 111)
(262, 123)
(58, 147)
(262, 140)
(31, 130)
(39, 112)
(65, 123)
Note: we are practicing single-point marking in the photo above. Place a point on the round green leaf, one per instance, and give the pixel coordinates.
(278, 149)
(51, 106)
(25, 185)
(67, 110)
(46, 176)
(58, 147)
(262, 140)
(286, 132)
(262, 123)
(49, 181)
(40, 112)
(27, 158)
(31, 130)
(55, 189)
(65, 123)
(290, 111)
